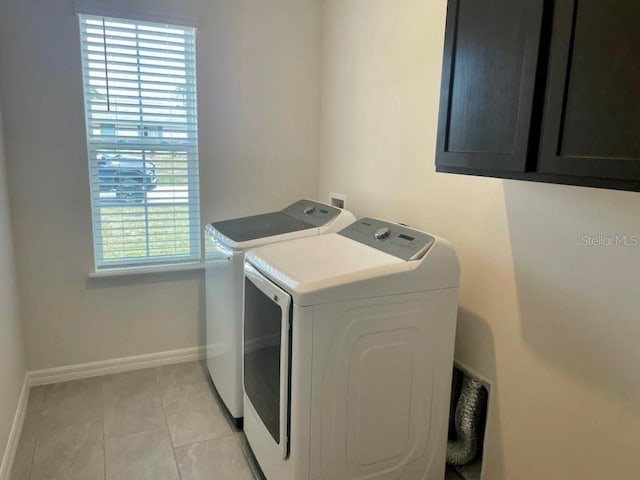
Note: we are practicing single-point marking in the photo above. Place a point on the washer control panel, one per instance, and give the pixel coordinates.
(397, 240)
(315, 213)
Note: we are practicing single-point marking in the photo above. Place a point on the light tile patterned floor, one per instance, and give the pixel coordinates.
(154, 424)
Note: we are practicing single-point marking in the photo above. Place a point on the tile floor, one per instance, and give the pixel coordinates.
(154, 424)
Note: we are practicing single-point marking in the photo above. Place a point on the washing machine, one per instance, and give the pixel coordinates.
(226, 243)
(348, 343)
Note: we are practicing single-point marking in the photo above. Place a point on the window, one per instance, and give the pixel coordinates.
(140, 108)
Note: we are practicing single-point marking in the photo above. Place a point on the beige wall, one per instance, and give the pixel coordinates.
(12, 365)
(553, 324)
(258, 84)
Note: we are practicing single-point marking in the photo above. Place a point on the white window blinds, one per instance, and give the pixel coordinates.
(140, 107)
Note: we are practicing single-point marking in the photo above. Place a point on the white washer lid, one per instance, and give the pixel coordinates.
(300, 219)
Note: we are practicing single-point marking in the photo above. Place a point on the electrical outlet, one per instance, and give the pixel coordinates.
(338, 200)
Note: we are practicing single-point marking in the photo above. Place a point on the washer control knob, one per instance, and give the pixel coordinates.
(309, 210)
(382, 233)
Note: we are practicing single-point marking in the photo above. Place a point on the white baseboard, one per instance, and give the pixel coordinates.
(16, 430)
(116, 365)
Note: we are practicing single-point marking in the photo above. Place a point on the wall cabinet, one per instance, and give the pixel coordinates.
(542, 90)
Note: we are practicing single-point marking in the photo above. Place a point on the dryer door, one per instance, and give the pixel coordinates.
(266, 353)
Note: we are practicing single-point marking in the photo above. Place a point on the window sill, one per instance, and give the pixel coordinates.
(128, 271)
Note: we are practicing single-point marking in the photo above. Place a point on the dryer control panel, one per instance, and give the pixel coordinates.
(397, 240)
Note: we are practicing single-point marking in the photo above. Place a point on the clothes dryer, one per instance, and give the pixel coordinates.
(348, 354)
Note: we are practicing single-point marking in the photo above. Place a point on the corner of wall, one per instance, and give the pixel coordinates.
(13, 389)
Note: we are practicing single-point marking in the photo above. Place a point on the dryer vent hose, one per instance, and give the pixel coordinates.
(469, 423)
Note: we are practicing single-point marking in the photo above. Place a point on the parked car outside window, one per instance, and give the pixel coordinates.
(128, 176)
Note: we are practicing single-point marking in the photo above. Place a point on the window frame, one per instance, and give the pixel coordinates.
(150, 141)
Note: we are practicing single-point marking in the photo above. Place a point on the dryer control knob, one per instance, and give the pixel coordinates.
(381, 233)
(309, 210)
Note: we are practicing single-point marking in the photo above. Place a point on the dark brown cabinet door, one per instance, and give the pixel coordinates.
(488, 84)
(591, 122)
